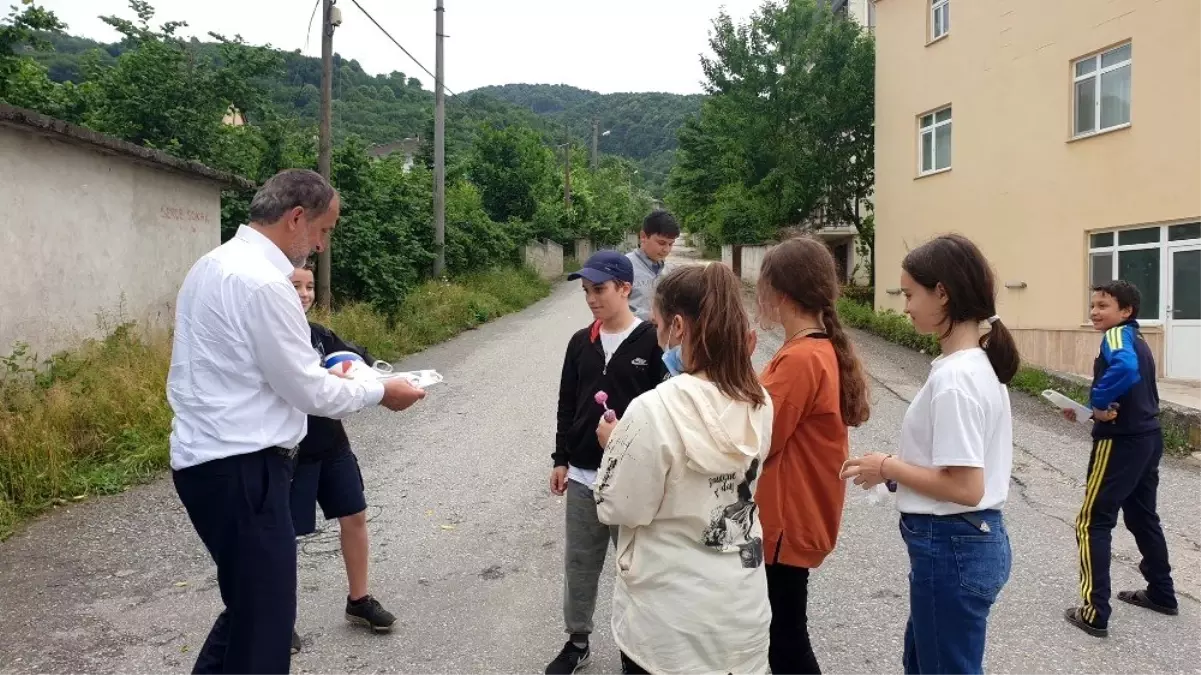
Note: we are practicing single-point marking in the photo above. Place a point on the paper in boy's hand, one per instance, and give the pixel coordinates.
(1083, 414)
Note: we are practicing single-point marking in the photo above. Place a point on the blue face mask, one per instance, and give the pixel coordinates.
(673, 361)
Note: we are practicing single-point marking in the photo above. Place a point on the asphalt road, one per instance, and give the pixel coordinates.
(467, 544)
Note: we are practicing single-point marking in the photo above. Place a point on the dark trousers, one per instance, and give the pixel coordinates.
(628, 667)
(788, 592)
(239, 507)
(1123, 473)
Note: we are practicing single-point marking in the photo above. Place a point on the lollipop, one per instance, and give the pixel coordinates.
(602, 399)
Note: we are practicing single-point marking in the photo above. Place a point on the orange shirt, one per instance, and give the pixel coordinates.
(799, 494)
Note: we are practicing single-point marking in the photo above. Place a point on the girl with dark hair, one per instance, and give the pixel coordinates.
(678, 478)
(955, 458)
(818, 389)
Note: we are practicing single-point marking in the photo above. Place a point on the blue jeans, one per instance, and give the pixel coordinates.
(957, 569)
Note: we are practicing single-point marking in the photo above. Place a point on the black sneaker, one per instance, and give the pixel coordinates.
(368, 612)
(571, 660)
(296, 644)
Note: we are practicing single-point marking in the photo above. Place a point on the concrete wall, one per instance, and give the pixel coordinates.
(752, 260)
(88, 239)
(545, 257)
(584, 248)
(1020, 185)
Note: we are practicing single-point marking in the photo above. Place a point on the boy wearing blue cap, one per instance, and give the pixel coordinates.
(618, 354)
(327, 473)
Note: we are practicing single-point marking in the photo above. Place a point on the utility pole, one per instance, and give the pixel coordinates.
(329, 18)
(567, 170)
(595, 141)
(439, 149)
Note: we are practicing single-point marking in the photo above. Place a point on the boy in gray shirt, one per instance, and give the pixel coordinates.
(659, 233)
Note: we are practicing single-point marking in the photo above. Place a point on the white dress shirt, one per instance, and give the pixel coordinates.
(243, 372)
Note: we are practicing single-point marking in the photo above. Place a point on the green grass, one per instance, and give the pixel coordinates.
(95, 420)
(571, 264)
(898, 329)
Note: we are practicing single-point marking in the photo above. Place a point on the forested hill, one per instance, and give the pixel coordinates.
(641, 126)
(386, 108)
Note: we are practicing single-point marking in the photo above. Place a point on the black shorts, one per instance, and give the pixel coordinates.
(336, 483)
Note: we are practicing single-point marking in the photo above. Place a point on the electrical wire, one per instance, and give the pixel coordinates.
(309, 33)
(414, 59)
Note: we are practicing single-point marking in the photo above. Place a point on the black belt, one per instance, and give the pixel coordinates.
(975, 521)
(973, 518)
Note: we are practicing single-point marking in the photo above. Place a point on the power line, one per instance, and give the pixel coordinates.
(414, 59)
(309, 33)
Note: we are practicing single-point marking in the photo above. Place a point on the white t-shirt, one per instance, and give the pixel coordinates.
(609, 343)
(961, 417)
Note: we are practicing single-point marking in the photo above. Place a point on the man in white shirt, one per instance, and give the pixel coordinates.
(243, 378)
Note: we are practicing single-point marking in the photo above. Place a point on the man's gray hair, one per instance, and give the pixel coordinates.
(288, 189)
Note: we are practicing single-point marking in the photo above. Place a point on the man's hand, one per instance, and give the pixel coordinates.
(399, 394)
(558, 480)
(1105, 415)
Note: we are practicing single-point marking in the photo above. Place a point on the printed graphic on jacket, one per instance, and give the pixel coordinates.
(730, 527)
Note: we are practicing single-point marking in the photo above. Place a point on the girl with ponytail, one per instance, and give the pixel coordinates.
(818, 389)
(678, 479)
(955, 458)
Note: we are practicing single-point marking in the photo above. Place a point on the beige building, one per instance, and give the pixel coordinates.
(1064, 138)
(94, 231)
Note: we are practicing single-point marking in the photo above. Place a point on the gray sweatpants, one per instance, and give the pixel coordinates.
(584, 558)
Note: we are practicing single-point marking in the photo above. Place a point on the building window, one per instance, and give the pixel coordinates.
(934, 138)
(940, 18)
(1102, 91)
(1138, 256)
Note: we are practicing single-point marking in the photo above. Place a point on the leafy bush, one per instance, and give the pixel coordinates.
(473, 240)
(864, 295)
(887, 324)
(95, 419)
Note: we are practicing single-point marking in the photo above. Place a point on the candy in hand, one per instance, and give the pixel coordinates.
(602, 399)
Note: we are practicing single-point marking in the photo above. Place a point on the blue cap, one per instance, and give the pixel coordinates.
(606, 266)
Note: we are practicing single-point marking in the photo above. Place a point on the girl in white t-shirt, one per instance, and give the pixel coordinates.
(956, 454)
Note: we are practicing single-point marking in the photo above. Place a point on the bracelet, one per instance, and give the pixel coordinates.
(886, 458)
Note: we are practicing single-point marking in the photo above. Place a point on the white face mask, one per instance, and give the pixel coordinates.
(673, 358)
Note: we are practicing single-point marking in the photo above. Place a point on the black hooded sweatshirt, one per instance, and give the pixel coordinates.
(326, 437)
(635, 368)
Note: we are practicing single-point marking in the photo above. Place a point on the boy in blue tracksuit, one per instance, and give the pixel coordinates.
(1123, 470)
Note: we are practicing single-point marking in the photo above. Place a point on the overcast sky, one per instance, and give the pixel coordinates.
(603, 45)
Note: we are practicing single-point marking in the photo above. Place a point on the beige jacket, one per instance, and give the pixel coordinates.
(678, 476)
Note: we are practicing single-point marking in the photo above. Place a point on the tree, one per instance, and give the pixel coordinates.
(787, 133)
(512, 169)
(164, 93)
(21, 31)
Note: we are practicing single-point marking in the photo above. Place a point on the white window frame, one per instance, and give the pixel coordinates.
(932, 129)
(935, 24)
(1163, 246)
(1095, 76)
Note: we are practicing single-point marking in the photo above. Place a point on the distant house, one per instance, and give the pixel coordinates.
(94, 230)
(409, 147)
(233, 117)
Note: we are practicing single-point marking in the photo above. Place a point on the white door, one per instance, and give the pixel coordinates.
(1183, 327)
